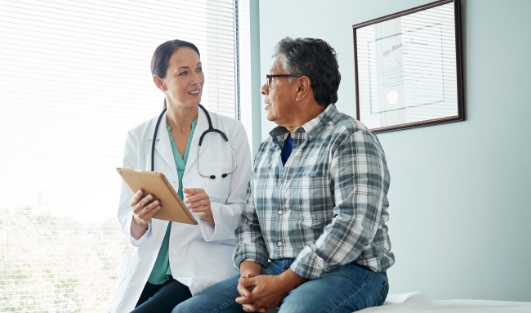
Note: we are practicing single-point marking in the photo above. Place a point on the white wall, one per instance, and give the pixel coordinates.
(459, 194)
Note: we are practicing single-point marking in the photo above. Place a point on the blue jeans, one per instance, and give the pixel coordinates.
(348, 288)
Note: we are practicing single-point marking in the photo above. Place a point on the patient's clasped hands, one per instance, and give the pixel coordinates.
(261, 292)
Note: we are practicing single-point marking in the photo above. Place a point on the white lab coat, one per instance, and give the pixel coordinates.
(199, 255)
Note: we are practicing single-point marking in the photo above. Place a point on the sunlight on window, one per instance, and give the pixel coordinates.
(75, 78)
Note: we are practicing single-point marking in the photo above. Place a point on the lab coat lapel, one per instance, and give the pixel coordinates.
(200, 128)
(163, 146)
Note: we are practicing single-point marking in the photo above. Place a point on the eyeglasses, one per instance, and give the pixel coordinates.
(271, 76)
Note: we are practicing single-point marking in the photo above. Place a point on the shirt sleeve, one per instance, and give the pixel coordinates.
(359, 182)
(249, 240)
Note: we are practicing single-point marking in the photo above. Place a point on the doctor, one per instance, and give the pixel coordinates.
(171, 262)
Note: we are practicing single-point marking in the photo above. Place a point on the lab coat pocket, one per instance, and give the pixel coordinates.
(212, 260)
(218, 187)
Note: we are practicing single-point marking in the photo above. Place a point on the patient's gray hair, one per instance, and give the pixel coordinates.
(314, 58)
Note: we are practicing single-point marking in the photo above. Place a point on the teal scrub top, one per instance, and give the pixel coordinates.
(161, 271)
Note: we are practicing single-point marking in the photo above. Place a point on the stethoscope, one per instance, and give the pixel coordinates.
(209, 130)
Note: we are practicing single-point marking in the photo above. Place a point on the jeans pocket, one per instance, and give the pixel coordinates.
(383, 294)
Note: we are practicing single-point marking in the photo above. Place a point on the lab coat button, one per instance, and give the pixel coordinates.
(173, 251)
(280, 244)
(185, 179)
(280, 212)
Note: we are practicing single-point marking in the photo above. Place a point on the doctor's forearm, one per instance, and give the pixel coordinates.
(137, 230)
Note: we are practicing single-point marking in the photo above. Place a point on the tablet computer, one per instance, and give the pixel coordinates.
(155, 183)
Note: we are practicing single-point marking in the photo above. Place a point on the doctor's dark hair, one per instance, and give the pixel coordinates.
(314, 58)
(161, 57)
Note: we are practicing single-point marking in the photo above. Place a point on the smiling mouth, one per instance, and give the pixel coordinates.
(195, 92)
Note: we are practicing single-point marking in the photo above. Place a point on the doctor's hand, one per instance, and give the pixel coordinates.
(197, 201)
(143, 210)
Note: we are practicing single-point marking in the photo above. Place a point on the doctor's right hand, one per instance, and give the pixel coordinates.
(143, 210)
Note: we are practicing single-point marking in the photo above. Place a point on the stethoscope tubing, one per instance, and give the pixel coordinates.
(209, 130)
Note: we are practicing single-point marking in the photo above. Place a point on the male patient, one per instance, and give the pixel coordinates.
(313, 236)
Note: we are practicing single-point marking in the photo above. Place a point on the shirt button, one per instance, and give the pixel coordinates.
(173, 251)
(280, 244)
(280, 212)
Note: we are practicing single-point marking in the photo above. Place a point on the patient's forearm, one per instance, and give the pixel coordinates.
(290, 280)
(247, 267)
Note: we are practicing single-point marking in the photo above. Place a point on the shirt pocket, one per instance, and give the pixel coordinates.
(312, 220)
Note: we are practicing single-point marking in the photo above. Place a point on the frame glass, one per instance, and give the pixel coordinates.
(408, 68)
(271, 76)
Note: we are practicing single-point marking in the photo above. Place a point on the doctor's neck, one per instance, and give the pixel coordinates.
(180, 117)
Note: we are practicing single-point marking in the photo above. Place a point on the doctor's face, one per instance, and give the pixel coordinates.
(184, 79)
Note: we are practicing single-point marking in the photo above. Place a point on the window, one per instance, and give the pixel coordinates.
(75, 78)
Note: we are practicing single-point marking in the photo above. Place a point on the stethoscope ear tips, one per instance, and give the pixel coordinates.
(222, 175)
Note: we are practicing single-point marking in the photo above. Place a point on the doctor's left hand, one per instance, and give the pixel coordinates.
(197, 201)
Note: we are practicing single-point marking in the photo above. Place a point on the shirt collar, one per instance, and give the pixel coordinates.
(314, 126)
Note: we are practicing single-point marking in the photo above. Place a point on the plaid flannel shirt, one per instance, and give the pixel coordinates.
(326, 207)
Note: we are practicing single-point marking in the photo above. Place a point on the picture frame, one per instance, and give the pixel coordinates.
(408, 68)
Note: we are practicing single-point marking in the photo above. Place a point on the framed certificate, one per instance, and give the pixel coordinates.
(408, 68)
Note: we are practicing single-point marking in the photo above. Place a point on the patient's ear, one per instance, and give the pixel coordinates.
(304, 85)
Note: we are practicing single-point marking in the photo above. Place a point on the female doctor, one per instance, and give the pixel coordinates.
(170, 261)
